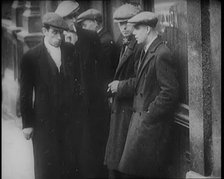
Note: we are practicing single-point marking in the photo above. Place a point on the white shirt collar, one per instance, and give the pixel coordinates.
(150, 42)
(55, 53)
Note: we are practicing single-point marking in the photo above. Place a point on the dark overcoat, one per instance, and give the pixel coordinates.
(47, 108)
(85, 130)
(156, 95)
(121, 109)
(109, 56)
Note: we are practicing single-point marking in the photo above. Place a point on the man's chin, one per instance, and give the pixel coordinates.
(57, 44)
(126, 34)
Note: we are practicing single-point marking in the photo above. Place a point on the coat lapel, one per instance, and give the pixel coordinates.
(63, 57)
(148, 56)
(101, 33)
(126, 54)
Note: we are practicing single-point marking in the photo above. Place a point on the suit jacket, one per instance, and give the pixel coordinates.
(121, 108)
(48, 107)
(155, 99)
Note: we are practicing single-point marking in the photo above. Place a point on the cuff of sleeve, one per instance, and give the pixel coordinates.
(26, 123)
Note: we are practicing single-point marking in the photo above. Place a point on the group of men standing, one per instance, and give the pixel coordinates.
(95, 109)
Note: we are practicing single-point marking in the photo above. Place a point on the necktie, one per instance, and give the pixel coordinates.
(141, 58)
(123, 49)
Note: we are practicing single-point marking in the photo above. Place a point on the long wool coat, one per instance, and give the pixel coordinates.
(40, 76)
(85, 130)
(156, 95)
(121, 109)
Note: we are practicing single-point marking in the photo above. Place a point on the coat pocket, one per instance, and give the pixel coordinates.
(146, 118)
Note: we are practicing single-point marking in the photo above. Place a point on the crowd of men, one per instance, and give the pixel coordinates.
(95, 108)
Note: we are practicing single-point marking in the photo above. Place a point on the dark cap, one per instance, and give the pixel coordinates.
(125, 12)
(91, 14)
(145, 18)
(67, 8)
(54, 20)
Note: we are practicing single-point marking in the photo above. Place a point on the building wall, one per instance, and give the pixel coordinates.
(215, 31)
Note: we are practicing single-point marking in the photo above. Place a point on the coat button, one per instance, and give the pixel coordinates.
(123, 110)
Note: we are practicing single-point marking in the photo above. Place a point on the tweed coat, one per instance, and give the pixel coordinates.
(121, 109)
(155, 99)
(49, 108)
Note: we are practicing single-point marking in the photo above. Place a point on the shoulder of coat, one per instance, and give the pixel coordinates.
(107, 38)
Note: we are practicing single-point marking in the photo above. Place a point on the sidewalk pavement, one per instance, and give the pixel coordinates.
(17, 152)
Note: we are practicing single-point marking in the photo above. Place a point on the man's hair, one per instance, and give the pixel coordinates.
(46, 26)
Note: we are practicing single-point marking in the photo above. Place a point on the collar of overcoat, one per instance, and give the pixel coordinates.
(48, 67)
(148, 56)
(101, 32)
(127, 53)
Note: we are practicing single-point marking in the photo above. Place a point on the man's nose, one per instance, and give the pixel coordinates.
(59, 36)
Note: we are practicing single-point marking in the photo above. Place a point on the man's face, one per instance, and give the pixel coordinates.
(141, 33)
(89, 25)
(125, 28)
(69, 20)
(53, 36)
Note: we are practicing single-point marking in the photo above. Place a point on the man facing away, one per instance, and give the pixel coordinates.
(82, 130)
(155, 91)
(92, 20)
(121, 107)
(44, 95)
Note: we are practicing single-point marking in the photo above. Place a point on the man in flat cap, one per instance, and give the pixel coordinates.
(91, 19)
(121, 107)
(44, 95)
(155, 90)
(83, 128)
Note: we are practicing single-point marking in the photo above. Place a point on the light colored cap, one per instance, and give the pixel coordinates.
(91, 14)
(145, 18)
(66, 8)
(125, 12)
(54, 20)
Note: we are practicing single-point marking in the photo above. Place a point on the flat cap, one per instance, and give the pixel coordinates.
(66, 8)
(91, 14)
(54, 20)
(146, 18)
(125, 12)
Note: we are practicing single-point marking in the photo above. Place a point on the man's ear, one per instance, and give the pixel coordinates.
(44, 30)
(148, 29)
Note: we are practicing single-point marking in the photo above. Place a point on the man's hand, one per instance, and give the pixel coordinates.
(113, 86)
(28, 133)
(110, 101)
(70, 37)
